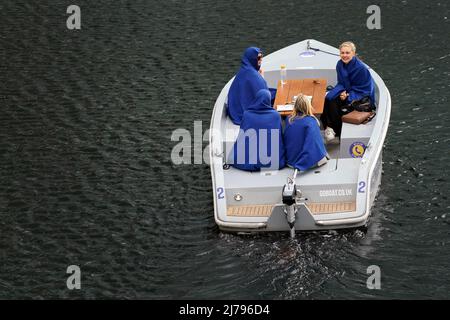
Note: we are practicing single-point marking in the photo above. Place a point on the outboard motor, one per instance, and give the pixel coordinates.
(288, 195)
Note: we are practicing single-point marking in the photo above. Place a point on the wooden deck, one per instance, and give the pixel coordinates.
(266, 209)
(250, 211)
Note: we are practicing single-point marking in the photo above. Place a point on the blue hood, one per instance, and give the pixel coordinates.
(260, 141)
(250, 58)
(245, 85)
(262, 101)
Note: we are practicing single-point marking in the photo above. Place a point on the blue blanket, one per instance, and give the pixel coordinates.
(260, 141)
(303, 142)
(245, 85)
(354, 78)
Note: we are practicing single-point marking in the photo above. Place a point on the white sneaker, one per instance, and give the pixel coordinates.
(329, 134)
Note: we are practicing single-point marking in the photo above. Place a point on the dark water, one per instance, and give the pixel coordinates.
(85, 142)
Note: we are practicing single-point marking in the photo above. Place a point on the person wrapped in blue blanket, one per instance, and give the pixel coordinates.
(246, 84)
(260, 142)
(354, 83)
(302, 139)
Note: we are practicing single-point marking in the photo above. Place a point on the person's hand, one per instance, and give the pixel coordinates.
(261, 72)
(343, 95)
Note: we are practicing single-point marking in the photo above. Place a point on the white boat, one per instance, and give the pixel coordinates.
(339, 194)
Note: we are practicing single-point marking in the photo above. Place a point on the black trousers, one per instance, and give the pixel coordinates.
(332, 113)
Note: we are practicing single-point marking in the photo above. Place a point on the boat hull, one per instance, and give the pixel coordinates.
(251, 202)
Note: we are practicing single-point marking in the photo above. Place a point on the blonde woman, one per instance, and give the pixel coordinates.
(302, 139)
(354, 83)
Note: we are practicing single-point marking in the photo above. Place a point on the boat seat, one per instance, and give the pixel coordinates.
(352, 135)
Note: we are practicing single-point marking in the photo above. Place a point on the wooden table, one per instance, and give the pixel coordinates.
(310, 87)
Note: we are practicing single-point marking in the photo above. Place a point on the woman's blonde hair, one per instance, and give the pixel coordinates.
(302, 108)
(349, 44)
